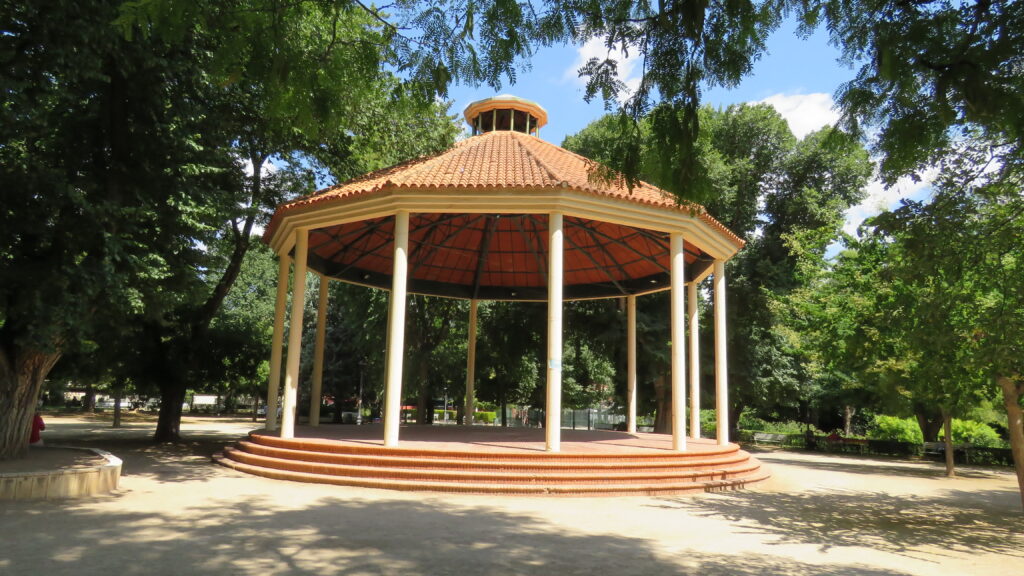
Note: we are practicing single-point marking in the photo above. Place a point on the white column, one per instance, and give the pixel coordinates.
(553, 431)
(291, 379)
(631, 364)
(316, 391)
(396, 332)
(691, 321)
(678, 343)
(471, 364)
(273, 388)
(721, 365)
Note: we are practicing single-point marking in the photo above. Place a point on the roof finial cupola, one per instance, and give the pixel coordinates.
(505, 112)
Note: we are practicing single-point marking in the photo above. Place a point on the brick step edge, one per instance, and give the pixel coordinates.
(491, 477)
(506, 489)
(399, 461)
(331, 447)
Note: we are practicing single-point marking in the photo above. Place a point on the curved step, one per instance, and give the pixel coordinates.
(485, 474)
(329, 446)
(539, 463)
(609, 489)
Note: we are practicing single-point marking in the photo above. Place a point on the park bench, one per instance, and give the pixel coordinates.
(842, 444)
(939, 449)
(769, 438)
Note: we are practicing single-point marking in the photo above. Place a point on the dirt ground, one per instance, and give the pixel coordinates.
(177, 513)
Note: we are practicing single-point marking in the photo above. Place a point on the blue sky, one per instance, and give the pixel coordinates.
(794, 67)
(797, 76)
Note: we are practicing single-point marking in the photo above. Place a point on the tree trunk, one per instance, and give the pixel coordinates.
(947, 428)
(504, 406)
(929, 419)
(117, 408)
(90, 399)
(21, 380)
(1012, 390)
(663, 399)
(168, 424)
(424, 405)
(848, 412)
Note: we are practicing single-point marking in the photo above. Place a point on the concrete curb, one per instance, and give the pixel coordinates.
(69, 483)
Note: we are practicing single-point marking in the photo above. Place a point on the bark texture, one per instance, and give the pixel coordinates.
(947, 427)
(1012, 390)
(21, 379)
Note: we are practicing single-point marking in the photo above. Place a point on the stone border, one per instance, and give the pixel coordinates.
(70, 483)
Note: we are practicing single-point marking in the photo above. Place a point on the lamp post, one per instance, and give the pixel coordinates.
(445, 404)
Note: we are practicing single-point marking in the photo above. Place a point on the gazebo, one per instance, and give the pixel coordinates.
(502, 215)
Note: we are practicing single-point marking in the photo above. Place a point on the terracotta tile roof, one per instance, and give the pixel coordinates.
(502, 159)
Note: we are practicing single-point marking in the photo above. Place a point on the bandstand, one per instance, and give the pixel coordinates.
(502, 215)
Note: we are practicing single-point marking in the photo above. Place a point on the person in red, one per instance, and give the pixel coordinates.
(38, 426)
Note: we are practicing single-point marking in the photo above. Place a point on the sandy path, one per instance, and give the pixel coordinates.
(176, 513)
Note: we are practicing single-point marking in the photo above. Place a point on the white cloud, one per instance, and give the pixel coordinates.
(267, 169)
(809, 112)
(628, 66)
(804, 112)
(880, 198)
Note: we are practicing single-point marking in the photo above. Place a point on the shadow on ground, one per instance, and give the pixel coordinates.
(186, 460)
(249, 535)
(859, 465)
(959, 522)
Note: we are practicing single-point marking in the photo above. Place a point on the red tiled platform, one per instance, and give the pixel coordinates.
(492, 460)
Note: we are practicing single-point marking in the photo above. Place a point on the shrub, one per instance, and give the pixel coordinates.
(755, 424)
(787, 427)
(894, 428)
(976, 433)
(708, 422)
(750, 422)
(439, 415)
(484, 417)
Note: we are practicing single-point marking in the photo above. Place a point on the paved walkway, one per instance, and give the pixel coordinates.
(176, 513)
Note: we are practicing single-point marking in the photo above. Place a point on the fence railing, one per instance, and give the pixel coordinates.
(963, 453)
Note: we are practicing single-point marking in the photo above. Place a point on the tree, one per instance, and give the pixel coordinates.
(234, 361)
(102, 151)
(113, 195)
(509, 366)
(770, 188)
(928, 73)
(436, 341)
(291, 72)
(963, 248)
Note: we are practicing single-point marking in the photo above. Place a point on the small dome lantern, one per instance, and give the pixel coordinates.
(505, 112)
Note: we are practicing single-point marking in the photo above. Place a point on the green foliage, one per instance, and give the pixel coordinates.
(926, 72)
(509, 367)
(754, 424)
(748, 421)
(786, 198)
(907, 430)
(484, 417)
(895, 428)
(975, 433)
(439, 415)
(124, 158)
(708, 422)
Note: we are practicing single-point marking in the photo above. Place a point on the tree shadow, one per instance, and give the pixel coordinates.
(186, 460)
(876, 520)
(873, 466)
(255, 534)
